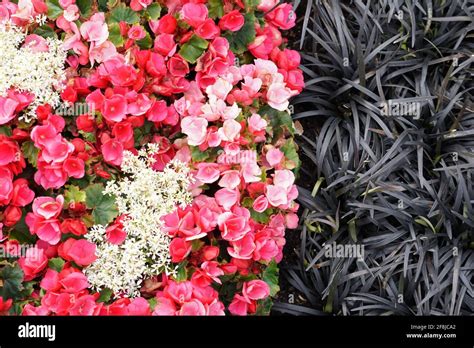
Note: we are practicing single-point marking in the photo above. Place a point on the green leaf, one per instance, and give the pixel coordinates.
(216, 8)
(193, 49)
(56, 263)
(46, 31)
(240, 40)
(115, 36)
(270, 276)
(123, 14)
(54, 9)
(104, 207)
(103, 5)
(264, 307)
(262, 218)
(21, 232)
(146, 42)
(30, 151)
(182, 274)
(154, 10)
(6, 130)
(198, 155)
(85, 7)
(74, 194)
(290, 149)
(425, 222)
(280, 121)
(11, 279)
(105, 295)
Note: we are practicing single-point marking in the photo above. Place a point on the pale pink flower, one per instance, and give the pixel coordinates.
(195, 128)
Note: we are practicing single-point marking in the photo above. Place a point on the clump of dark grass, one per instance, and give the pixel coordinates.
(399, 182)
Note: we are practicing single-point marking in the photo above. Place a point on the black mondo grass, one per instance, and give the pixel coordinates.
(388, 159)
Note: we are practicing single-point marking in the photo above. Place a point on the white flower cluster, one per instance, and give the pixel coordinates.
(144, 196)
(39, 73)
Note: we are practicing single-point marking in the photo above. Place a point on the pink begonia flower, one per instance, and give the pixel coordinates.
(208, 172)
(194, 14)
(230, 179)
(50, 175)
(215, 308)
(36, 43)
(25, 10)
(291, 220)
(195, 128)
(266, 249)
(257, 123)
(56, 150)
(138, 5)
(179, 249)
(66, 3)
(115, 234)
(158, 111)
(84, 305)
(267, 5)
(232, 21)
(230, 130)
(239, 305)
(208, 29)
(9, 151)
(74, 282)
(164, 306)
(115, 108)
(139, 306)
(212, 270)
(227, 198)
(274, 156)
(260, 204)
(233, 226)
(180, 292)
(256, 290)
(82, 252)
(7, 109)
(278, 96)
(165, 45)
(112, 151)
(22, 195)
(221, 88)
(216, 109)
(251, 172)
(193, 307)
(288, 59)
(33, 262)
(282, 16)
(6, 186)
(140, 106)
(276, 195)
(136, 32)
(265, 70)
(41, 135)
(48, 207)
(284, 178)
(50, 281)
(95, 29)
(243, 248)
(71, 13)
(252, 85)
(101, 53)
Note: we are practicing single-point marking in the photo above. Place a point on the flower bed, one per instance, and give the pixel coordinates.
(147, 160)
